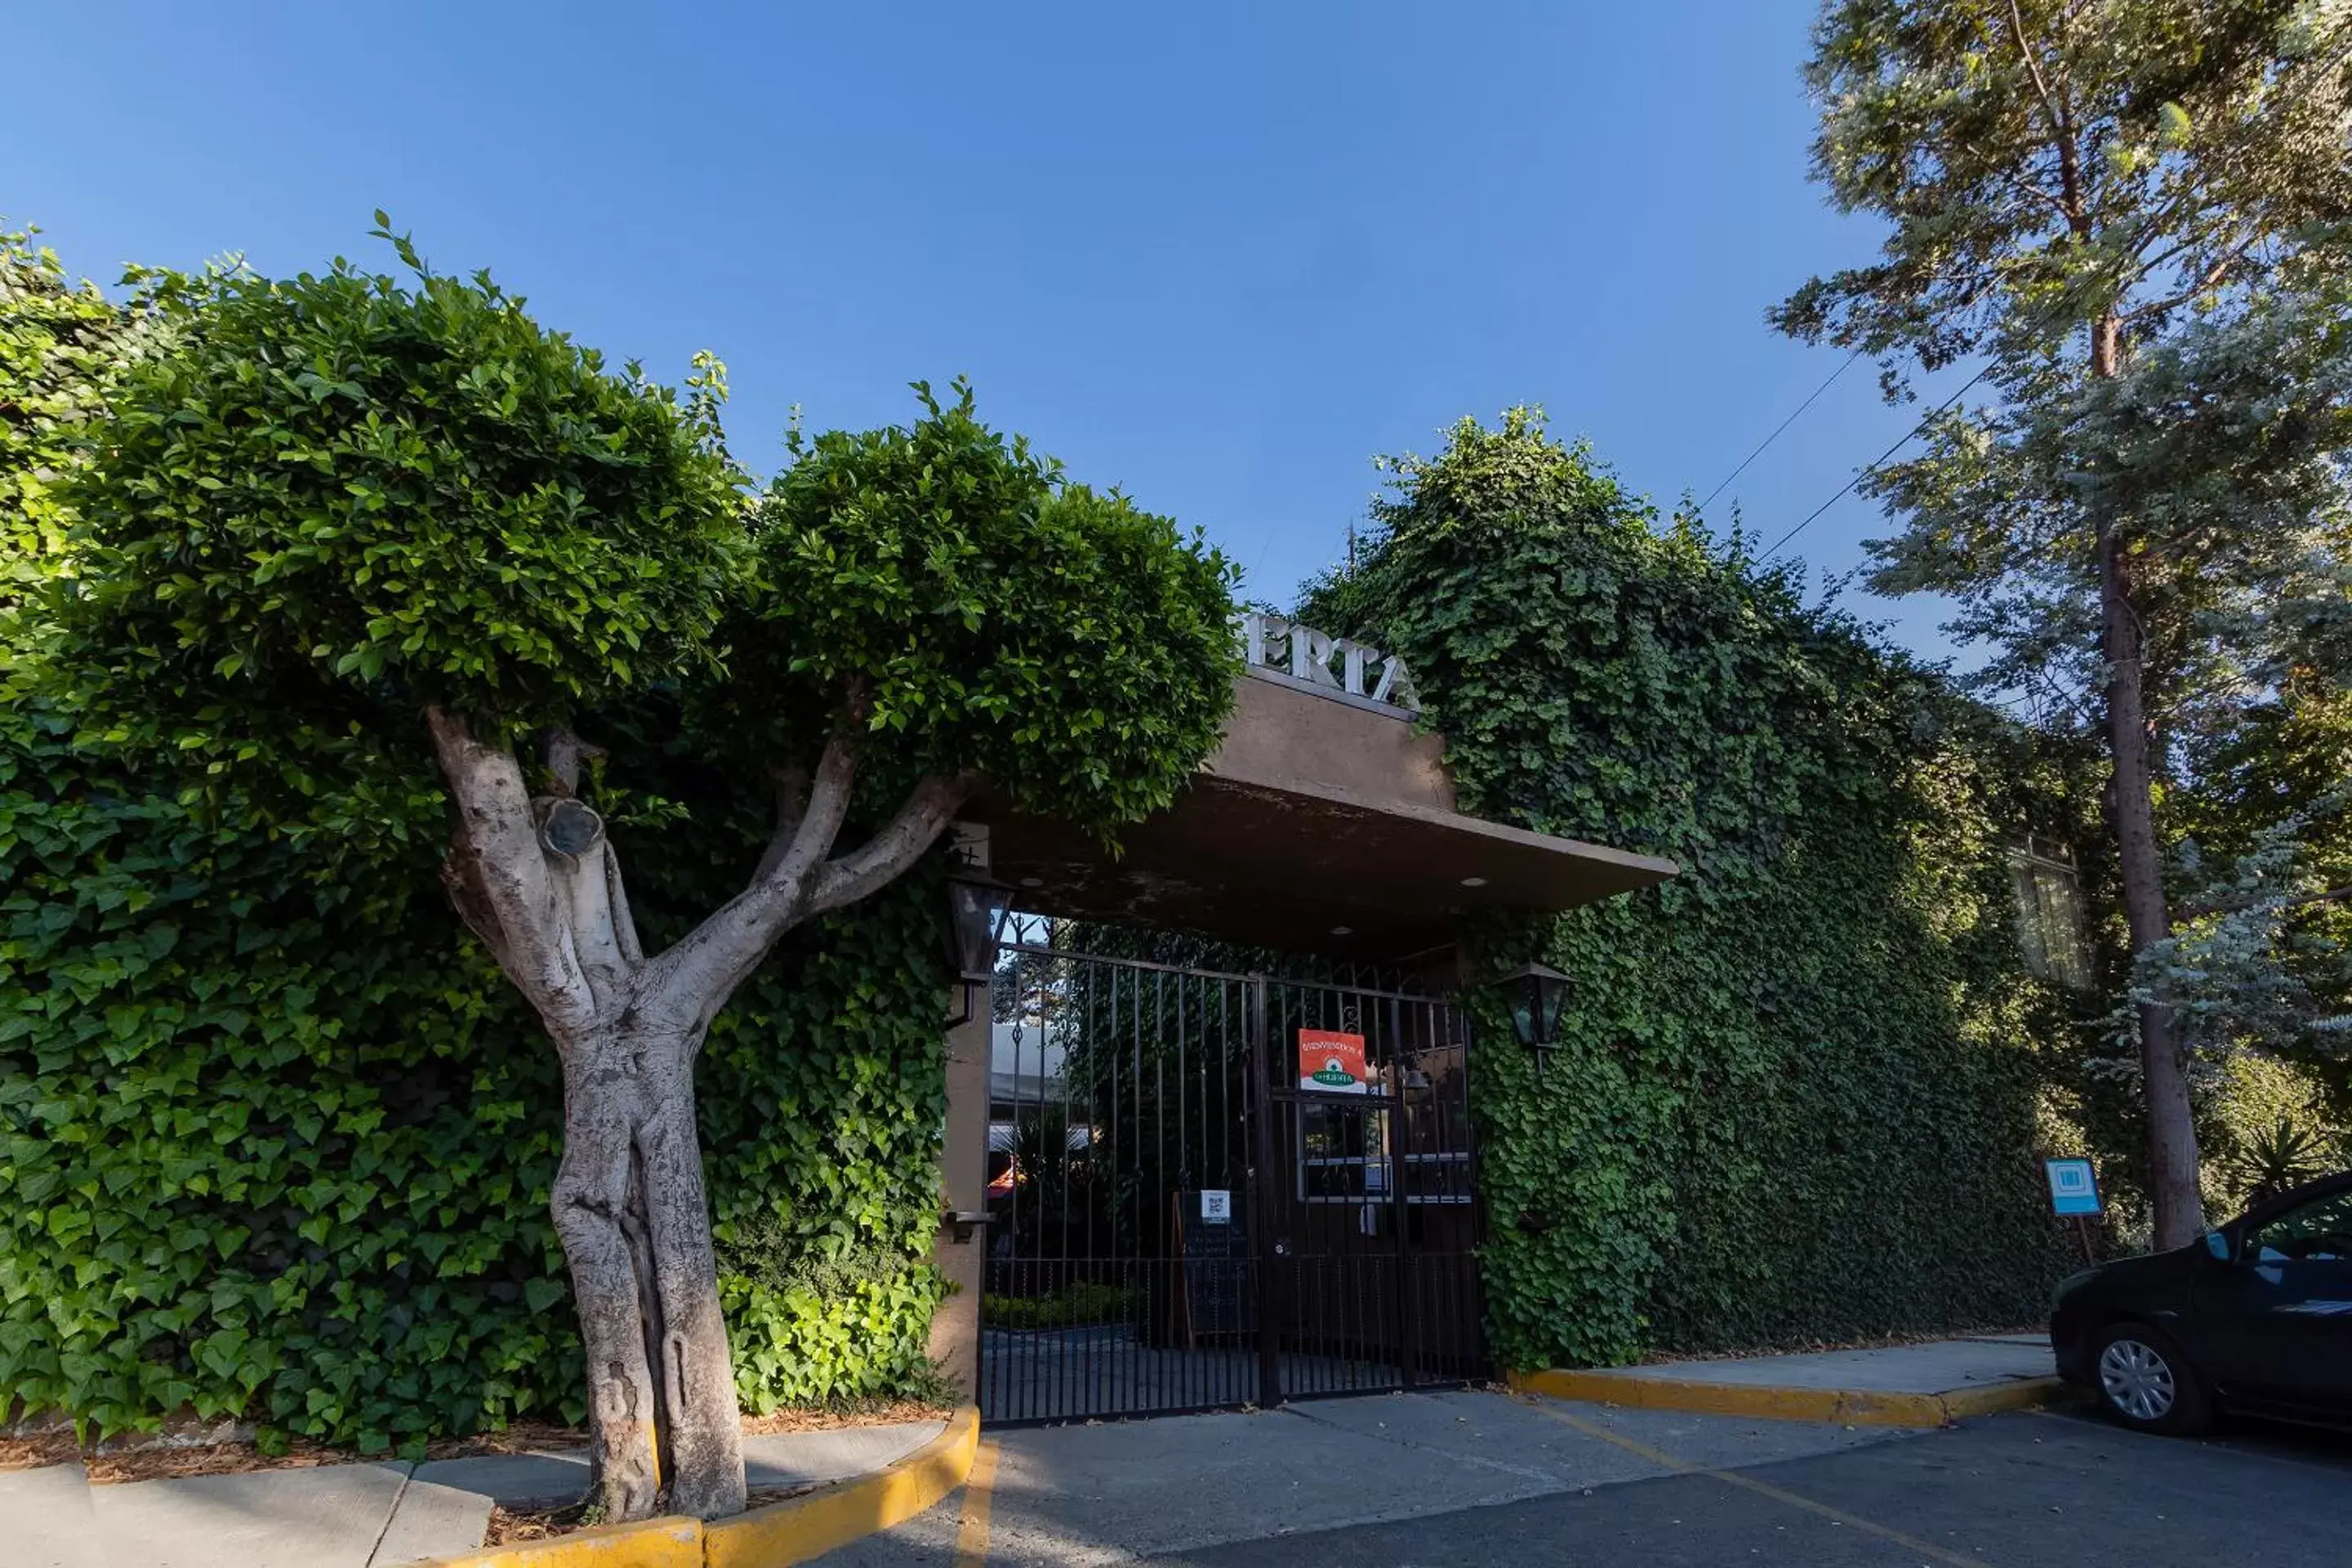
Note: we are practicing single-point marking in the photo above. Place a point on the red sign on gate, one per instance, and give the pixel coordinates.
(1330, 1062)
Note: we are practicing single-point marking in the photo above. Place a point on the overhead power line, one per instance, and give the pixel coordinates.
(1784, 424)
(1866, 470)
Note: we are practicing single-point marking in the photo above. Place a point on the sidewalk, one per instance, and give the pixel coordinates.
(368, 1515)
(1470, 1480)
(1167, 1484)
(1929, 1385)
(1183, 1488)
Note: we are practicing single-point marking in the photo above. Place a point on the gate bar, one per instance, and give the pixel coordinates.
(1261, 1110)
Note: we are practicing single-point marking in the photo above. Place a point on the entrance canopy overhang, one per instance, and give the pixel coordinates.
(1322, 824)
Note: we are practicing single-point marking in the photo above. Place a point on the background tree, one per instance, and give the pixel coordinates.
(2070, 183)
(407, 515)
(2224, 443)
(2266, 847)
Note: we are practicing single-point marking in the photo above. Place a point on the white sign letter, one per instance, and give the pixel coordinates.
(1310, 657)
(1396, 684)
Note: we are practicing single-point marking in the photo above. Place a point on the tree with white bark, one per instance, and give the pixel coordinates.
(399, 514)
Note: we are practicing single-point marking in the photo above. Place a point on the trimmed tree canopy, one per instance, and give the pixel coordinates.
(420, 494)
(973, 596)
(337, 477)
(332, 525)
(58, 344)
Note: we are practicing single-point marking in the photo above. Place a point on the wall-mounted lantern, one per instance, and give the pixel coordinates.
(978, 907)
(1537, 992)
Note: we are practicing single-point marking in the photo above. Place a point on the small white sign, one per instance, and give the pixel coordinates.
(1216, 1208)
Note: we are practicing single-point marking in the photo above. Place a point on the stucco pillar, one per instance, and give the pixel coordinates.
(963, 1169)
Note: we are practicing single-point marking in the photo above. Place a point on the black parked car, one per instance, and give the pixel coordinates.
(2256, 1317)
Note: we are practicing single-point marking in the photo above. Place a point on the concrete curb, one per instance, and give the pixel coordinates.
(673, 1541)
(1847, 1407)
(798, 1529)
(792, 1531)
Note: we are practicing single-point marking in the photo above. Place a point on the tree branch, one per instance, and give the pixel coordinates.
(494, 856)
(2156, 262)
(2061, 131)
(465, 896)
(625, 921)
(695, 978)
(2025, 188)
(2033, 70)
(565, 752)
(592, 903)
(2210, 278)
(819, 821)
(2239, 906)
(792, 805)
(918, 825)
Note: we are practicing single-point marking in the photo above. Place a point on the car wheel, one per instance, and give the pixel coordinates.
(2146, 1383)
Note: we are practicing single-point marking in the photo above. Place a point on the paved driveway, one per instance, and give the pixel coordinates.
(1480, 1478)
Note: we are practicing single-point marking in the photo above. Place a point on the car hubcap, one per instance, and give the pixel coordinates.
(2137, 1381)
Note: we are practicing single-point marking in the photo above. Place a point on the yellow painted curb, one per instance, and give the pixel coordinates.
(671, 1541)
(2023, 1394)
(1849, 1406)
(798, 1529)
(781, 1533)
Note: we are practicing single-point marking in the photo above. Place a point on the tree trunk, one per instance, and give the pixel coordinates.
(630, 1209)
(538, 880)
(2172, 1155)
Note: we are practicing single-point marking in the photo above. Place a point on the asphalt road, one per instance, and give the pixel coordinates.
(2010, 1491)
(1436, 1481)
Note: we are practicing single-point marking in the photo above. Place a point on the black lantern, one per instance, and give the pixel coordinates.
(1538, 993)
(977, 906)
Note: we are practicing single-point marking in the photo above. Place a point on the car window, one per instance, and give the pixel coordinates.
(2319, 1229)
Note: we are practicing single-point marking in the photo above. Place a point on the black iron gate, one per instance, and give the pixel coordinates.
(1200, 1195)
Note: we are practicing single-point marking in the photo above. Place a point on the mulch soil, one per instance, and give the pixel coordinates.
(509, 1526)
(153, 1458)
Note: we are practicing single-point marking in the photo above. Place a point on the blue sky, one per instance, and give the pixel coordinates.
(1220, 255)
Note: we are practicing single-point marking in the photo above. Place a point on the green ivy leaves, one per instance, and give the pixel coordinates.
(291, 1161)
(281, 1139)
(1796, 1097)
(342, 482)
(277, 1142)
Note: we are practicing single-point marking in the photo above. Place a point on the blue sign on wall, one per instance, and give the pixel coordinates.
(2072, 1188)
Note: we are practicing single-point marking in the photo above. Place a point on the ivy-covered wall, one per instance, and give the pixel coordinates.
(278, 1139)
(1797, 1096)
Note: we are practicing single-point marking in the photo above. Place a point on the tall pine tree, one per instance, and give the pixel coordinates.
(2072, 183)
